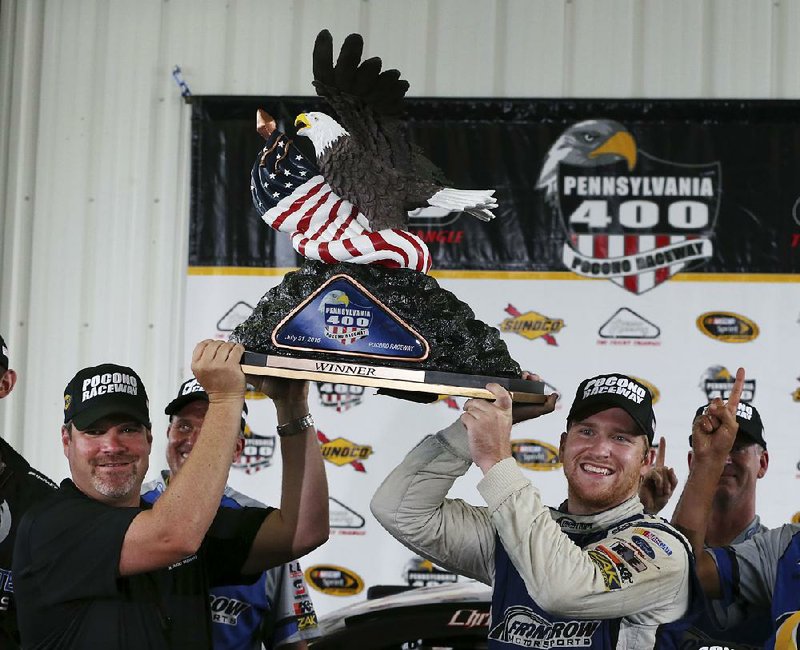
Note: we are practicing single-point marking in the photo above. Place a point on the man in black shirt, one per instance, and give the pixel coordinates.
(20, 487)
(96, 567)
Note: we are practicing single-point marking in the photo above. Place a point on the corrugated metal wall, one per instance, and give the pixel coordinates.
(94, 136)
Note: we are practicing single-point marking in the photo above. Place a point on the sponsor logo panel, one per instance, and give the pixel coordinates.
(341, 451)
(626, 327)
(344, 520)
(422, 573)
(629, 556)
(629, 216)
(341, 397)
(257, 452)
(235, 316)
(653, 539)
(526, 628)
(727, 327)
(607, 569)
(531, 325)
(535, 455)
(226, 610)
(717, 381)
(334, 580)
(644, 546)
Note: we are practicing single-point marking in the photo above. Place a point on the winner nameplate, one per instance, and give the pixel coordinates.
(361, 374)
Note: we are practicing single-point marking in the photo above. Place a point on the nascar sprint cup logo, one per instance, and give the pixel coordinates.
(629, 217)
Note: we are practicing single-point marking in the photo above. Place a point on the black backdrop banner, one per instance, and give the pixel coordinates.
(582, 185)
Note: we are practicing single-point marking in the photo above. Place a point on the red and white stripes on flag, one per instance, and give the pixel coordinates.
(327, 228)
(650, 259)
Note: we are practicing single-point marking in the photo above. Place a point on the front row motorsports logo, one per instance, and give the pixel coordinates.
(629, 217)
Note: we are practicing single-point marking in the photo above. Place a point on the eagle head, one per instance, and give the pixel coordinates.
(321, 129)
(588, 144)
(333, 298)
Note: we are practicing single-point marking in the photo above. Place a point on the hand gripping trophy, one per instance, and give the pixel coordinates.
(361, 309)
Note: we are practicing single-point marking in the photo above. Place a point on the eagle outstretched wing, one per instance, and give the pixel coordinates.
(368, 101)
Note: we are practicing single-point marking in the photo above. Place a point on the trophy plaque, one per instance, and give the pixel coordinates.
(361, 309)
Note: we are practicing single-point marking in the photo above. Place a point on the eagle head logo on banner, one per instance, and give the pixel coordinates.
(629, 216)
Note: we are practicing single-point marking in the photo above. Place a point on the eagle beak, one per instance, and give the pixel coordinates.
(344, 299)
(302, 119)
(622, 144)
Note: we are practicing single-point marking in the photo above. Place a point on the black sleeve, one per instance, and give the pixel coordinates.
(227, 544)
(70, 548)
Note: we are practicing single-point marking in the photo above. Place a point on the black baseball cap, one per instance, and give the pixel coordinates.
(190, 391)
(749, 420)
(615, 390)
(3, 354)
(108, 389)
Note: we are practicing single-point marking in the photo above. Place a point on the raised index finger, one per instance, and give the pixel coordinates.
(662, 452)
(736, 392)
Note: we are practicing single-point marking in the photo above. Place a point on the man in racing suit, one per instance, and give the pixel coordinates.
(597, 572)
(752, 577)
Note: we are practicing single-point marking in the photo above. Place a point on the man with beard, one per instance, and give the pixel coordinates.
(94, 566)
(20, 487)
(596, 572)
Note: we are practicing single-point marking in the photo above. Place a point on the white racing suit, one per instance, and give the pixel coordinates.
(615, 579)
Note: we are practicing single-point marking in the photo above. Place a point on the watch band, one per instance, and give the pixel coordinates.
(296, 426)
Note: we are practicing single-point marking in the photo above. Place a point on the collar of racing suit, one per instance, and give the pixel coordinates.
(598, 521)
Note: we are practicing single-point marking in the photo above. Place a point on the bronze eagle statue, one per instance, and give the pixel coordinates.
(367, 159)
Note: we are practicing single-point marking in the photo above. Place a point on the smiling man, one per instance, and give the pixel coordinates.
(597, 572)
(276, 609)
(96, 567)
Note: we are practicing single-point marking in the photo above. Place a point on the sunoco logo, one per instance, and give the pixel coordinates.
(727, 327)
(334, 580)
(525, 627)
(532, 325)
(535, 455)
(629, 216)
(341, 451)
(717, 381)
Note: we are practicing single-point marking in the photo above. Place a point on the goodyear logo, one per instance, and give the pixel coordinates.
(727, 327)
(655, 394)
(532, 325)
(536, 455)
(334, 580)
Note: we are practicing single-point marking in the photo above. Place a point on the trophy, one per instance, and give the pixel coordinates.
(361, 309)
